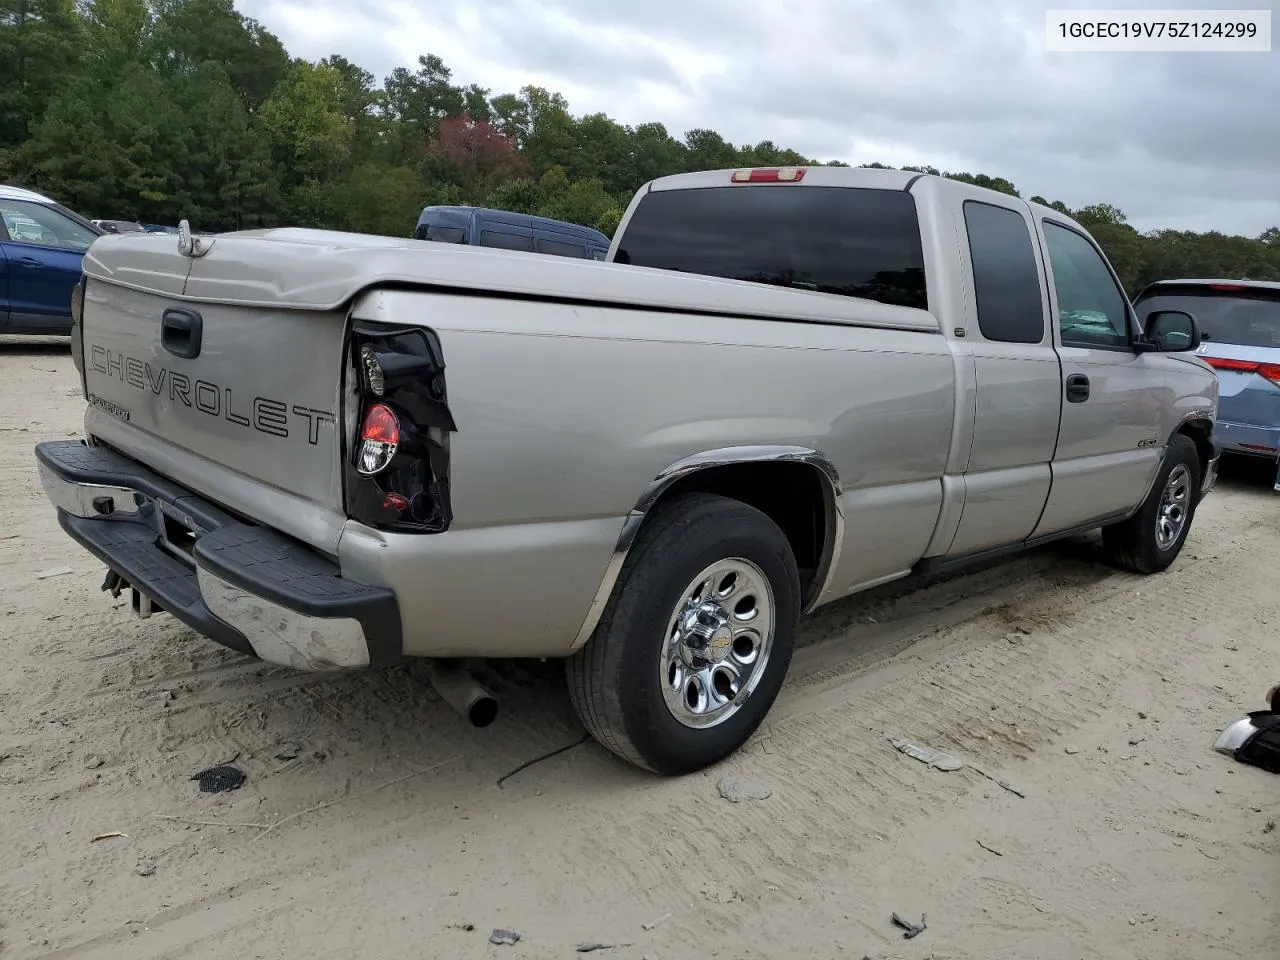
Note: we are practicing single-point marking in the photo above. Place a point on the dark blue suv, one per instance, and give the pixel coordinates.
(484, 227)
(42, 244)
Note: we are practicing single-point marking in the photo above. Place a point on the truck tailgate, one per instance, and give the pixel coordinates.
(240, 403)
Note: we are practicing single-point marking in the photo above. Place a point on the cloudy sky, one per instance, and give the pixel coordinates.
(1175, 140)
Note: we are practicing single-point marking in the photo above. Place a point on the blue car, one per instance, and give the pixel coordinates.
(483, 227)
(1240, 328)
(41, 246)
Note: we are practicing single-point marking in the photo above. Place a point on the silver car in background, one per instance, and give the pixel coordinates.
(1240, 327)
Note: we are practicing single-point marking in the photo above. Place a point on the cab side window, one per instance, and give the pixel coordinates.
(445, 234)
(1006, 277)
(559, 249)
(1092, 310)
(506, 241)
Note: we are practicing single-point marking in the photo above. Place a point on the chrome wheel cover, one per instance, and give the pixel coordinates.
(717, 644)
(1174, 503)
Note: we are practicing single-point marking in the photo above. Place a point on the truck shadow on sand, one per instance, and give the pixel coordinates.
(388, 718)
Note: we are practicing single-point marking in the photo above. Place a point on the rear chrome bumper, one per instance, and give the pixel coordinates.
(246, 587)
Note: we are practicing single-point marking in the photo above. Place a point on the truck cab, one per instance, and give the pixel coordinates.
(1063, 404)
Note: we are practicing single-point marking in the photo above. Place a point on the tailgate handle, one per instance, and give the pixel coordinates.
(180, 332)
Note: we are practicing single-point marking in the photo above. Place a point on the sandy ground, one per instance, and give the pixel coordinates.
(1094, 694)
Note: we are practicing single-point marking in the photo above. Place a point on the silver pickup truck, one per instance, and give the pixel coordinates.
(331, 451)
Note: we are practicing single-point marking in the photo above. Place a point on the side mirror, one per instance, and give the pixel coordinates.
(1172, 331)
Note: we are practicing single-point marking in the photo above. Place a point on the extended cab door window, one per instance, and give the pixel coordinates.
(1006, 276)
(560, 249)
(1092, 309)
(1007, 474)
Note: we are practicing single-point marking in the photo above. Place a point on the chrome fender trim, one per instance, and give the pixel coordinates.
(727, 456)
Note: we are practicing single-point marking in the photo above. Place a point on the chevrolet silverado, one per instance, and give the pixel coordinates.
(785, 385)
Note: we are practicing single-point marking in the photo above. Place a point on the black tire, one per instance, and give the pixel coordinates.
(615, 679)
(1134, 544)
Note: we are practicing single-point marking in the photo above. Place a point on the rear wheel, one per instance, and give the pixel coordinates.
(1150, 540)
(696, 640)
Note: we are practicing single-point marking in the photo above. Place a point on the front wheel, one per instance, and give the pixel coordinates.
(696, 640)
(1150, 540)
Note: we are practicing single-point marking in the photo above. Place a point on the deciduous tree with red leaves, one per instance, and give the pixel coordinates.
(478, 156)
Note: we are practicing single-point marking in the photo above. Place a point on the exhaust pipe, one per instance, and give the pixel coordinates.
(462, 691)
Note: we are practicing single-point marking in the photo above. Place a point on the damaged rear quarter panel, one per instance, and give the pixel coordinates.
(561, 429)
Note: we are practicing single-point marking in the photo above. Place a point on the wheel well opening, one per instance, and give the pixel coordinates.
(1199, 432)
(792, 495)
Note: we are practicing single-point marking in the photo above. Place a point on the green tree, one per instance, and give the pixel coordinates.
(518, 196)
(117, 35)
(552, 134)
(383, 199)
(190, 33)
(72, 156)
(1100, 213)
(306, 122)
(511, 116)
(707, 150)
(656, 153)
(417, 102)
(229, 179)
(39, 47)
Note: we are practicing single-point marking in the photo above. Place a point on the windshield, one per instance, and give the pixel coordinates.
(847, 241)
(1245, 317)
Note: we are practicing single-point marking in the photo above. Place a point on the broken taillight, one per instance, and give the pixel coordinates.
(396, 474)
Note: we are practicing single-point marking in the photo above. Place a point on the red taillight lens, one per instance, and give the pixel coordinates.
(1222, 363)
(1269, 370)
(379, 439)
(380, 425)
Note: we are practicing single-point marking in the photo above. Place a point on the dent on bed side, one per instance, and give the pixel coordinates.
(698, 463)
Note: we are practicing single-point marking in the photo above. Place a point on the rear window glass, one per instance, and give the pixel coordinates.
(1250, 319)
(847, 241)
(506, 241)
(556, 248)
